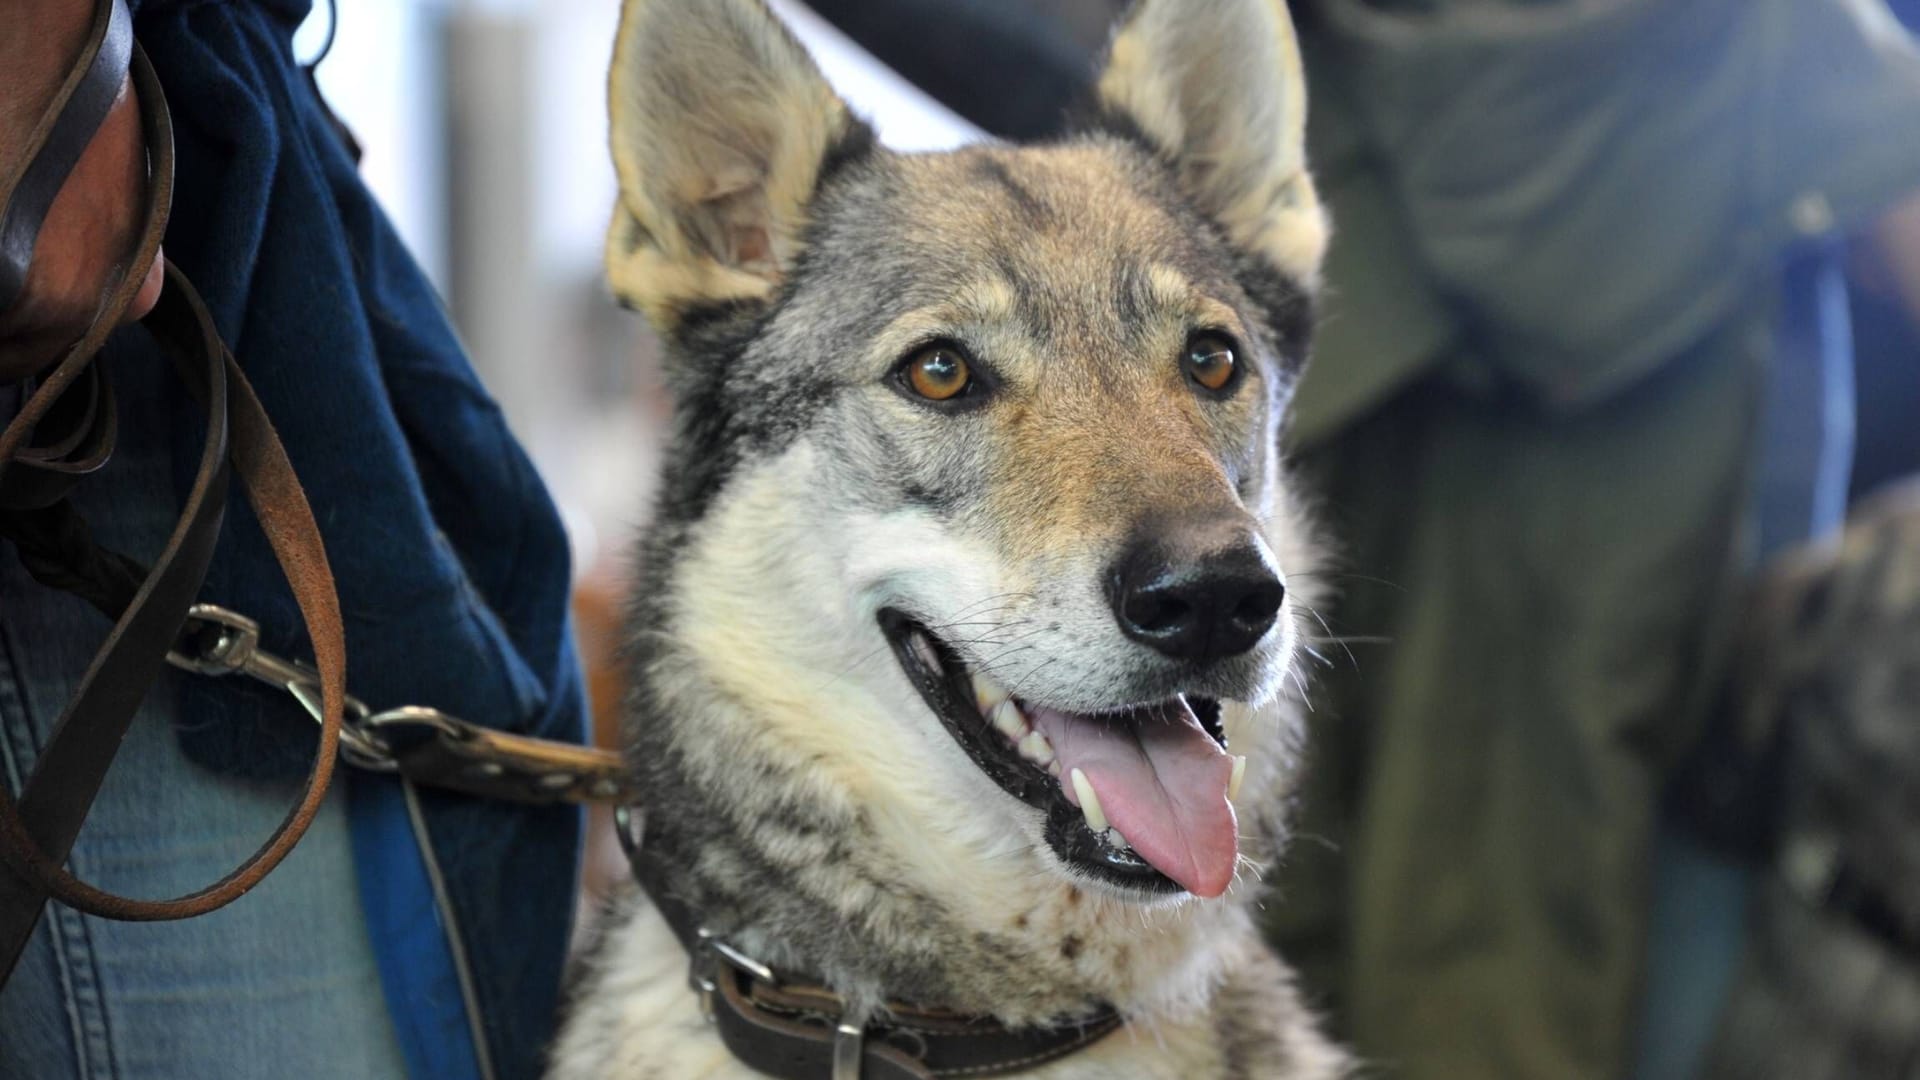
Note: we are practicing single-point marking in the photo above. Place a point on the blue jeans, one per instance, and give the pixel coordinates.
(281, 984)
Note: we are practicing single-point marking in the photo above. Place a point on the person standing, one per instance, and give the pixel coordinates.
(412, 933)
(1579, 267)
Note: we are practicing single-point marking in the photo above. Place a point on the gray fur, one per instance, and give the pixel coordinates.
(789, 770)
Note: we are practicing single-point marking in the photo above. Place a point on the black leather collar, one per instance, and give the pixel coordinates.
(798, 1030)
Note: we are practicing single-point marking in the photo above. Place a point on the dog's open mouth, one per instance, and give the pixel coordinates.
(1139, 796)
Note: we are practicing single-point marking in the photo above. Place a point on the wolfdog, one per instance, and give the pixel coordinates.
(962, 654)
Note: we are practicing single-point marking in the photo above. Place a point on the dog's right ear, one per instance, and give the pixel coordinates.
(721, 130)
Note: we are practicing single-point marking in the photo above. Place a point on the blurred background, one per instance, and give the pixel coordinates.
(1627, 286)
(483, 127)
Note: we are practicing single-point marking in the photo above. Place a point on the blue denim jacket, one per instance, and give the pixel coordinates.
(451, 563)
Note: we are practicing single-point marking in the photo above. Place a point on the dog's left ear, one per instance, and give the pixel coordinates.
(721, 129)
(1217, 87)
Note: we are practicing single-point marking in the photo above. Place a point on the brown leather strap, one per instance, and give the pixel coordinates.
(788, 1030)
(73, 440)
(35, 835)
(494, 764)
(129, 274)
(797, 1047)
(37, 832)
(788, 1027)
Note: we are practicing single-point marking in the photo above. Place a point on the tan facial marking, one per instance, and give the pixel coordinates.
(1079, 472)
(1174, 292)
(980, 302)
(1168, 286)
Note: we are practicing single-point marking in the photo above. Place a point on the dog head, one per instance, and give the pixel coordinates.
(974, 502)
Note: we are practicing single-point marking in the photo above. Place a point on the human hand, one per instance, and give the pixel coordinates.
(97, 216)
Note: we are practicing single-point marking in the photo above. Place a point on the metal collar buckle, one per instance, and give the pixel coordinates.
(708, 951)
(849, 1035)
(849, 1047)
(703, 968)
(713, 946)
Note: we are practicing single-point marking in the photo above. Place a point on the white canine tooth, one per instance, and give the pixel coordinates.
(924, 650)
(1036, 748)
(1239, 774)
(1007, 717)
(1089, 803)
(987, 694)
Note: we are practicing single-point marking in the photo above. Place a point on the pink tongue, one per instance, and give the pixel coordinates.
(1162, 783)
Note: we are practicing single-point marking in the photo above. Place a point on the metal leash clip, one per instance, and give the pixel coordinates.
(219, 642)
(429, 746)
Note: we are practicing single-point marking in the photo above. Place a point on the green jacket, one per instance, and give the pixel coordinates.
(1559, 227)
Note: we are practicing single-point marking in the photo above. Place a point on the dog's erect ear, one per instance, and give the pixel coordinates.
(1217, 87)
(721, 126)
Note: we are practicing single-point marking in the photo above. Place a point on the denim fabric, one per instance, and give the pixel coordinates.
(280, 984)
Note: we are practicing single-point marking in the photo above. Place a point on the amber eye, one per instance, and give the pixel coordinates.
(937, 373)
(1210, 361)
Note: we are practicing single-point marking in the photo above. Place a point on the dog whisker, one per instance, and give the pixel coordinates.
(1300, 683)
(997, 668)
(1344, 576)
(1016, 690)
(1012, 599)
(1011, 644)
(1331, 638)
(1352, 639)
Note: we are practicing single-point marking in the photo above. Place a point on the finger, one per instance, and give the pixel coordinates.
(149, 293)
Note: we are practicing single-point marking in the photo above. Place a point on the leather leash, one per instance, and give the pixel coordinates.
(64, 431)
(148, 606)
(790, 1028)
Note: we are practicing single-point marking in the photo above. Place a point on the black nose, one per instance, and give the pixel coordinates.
(1201, 591)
